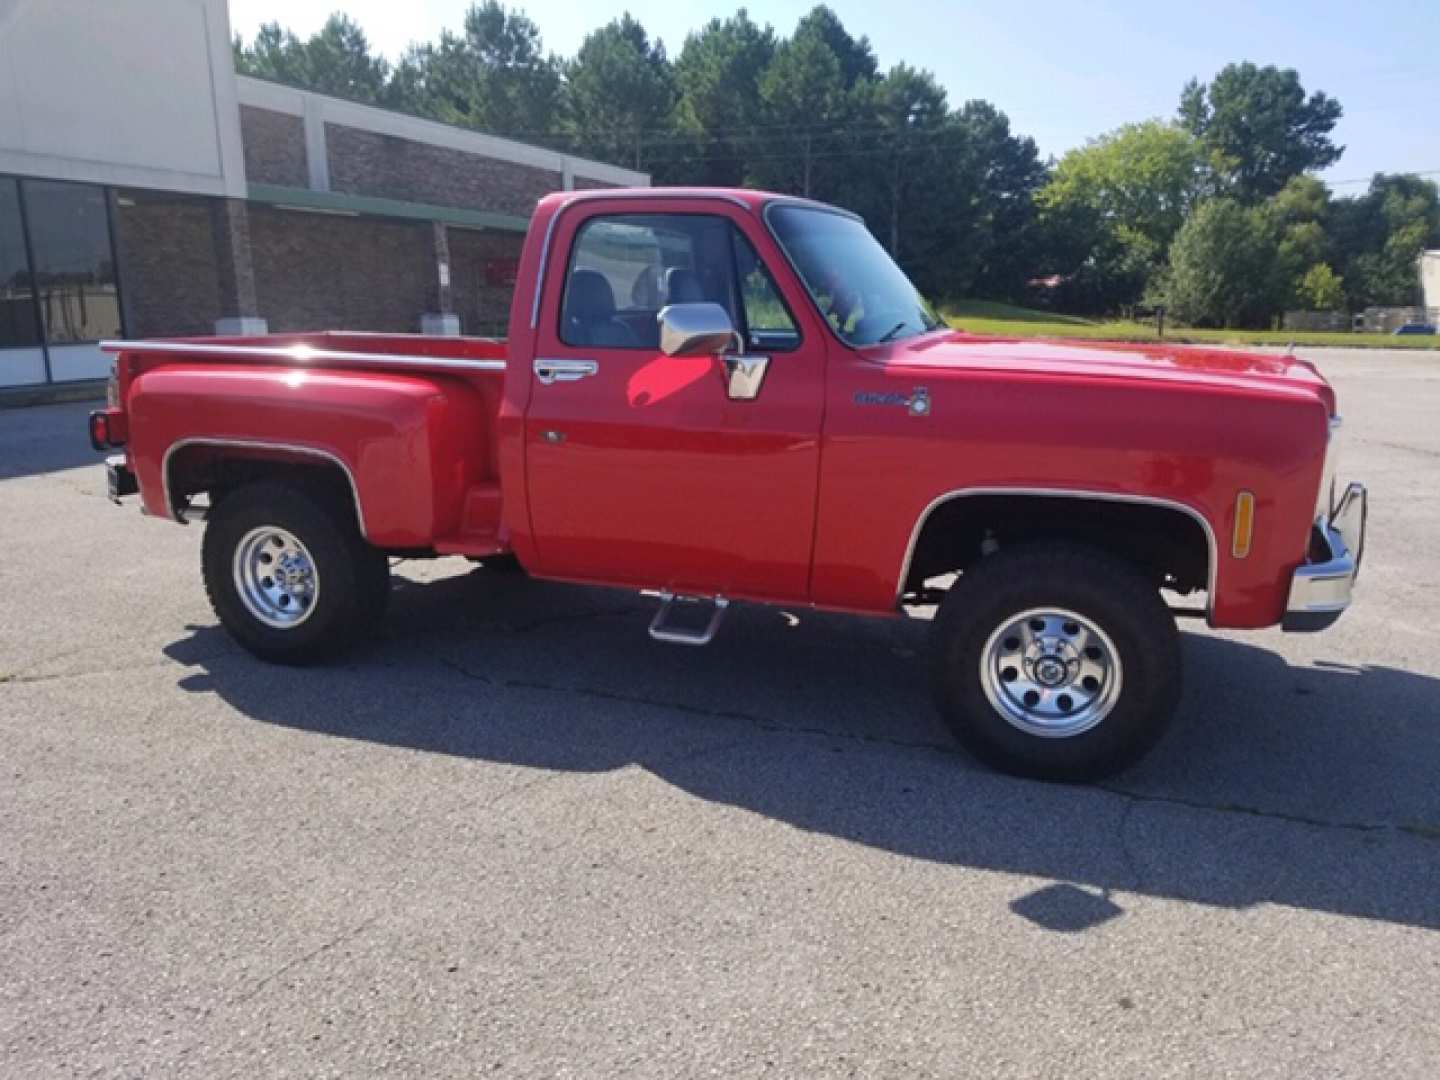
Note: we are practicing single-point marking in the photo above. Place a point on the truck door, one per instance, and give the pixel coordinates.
(641, 468)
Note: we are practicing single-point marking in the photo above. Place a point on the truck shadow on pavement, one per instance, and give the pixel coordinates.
(1312, 787)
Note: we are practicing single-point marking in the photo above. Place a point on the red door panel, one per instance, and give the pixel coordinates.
(646, 473)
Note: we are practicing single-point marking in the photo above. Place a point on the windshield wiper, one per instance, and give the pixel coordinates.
(889, 334)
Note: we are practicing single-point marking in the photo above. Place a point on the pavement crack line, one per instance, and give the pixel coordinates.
(761, 723)
(503, 627)
(521, 790)
(1423, 451)
(290, 965)
(1364, 827)
(770, 726)
(1122, 839)
(19, 678)
(573, 617)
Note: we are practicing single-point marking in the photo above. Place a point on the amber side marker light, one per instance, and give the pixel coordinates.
(1244, 524)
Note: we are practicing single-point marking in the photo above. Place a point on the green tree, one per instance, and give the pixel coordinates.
(856, 57)
(804, 103)
(407, 89)
(621, 88)
(907, 113)
(1259, 128)
(1321, 289)
(492, 76)
(1112, 207)
(994, 243)
(814, 97)
(1298, 218)
(275, 54)
(1222, 267)
(1378, 238)
(335, 60)
(720, 108)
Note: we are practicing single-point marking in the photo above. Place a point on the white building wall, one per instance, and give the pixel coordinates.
(22, 367)
(131, 92)
(84, 361)
(1430, 279)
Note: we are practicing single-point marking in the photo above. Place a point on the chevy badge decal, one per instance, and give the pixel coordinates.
(918, 403)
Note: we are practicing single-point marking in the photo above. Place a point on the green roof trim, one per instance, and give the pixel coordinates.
(336, 202)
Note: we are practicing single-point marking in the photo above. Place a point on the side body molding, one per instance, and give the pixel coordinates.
(173, 509)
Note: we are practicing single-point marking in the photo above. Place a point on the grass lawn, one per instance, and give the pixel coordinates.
(1005, 320)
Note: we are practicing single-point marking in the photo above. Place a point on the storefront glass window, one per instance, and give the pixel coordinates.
(17, 295)
(74, 262)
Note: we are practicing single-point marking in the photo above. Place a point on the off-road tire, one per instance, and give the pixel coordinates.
(1109, 592)
(354, 577)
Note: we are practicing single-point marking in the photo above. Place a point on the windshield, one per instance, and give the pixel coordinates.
(856, 285)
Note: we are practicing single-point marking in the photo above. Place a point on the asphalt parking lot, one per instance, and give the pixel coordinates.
(514, 837)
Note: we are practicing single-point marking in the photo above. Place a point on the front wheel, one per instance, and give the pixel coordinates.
(288, 573)
(1055, 661)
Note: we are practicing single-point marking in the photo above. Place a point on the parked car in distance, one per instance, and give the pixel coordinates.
(726, 395)
(1415, 328)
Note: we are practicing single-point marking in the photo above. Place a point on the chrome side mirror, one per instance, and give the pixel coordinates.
(695, 329)
(704, 329)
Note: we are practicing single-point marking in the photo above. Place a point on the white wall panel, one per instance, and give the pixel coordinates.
(139, 92)
(22, 367)
(71, 362)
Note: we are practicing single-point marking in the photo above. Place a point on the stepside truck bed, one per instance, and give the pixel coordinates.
(408, 422)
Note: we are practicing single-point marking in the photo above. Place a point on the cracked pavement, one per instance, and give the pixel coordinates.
(513, 836)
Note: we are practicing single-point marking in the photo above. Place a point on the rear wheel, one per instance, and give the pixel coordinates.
(1055, 661)
(288, 573)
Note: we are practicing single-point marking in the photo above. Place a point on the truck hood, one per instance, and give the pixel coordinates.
(1194, 364)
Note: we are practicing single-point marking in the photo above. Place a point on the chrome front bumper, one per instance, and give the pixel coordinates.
(1320, 590)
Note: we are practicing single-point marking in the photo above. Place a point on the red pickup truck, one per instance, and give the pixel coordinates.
(726, 395)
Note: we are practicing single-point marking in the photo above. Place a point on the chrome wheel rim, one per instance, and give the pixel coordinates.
(1051, 672)
(275, 577)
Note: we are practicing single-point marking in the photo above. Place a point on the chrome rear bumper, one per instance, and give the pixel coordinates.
(1320, 590)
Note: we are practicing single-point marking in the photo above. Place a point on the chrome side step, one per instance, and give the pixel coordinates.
(661, 630)
(193, 511)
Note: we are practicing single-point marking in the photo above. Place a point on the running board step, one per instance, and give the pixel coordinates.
(662, 630)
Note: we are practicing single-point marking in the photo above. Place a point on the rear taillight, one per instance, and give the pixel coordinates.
(107, 429)
(100, 430)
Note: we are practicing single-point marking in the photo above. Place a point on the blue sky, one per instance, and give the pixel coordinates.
(1063, 71)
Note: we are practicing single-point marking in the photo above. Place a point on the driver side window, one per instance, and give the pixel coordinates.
(624, 268)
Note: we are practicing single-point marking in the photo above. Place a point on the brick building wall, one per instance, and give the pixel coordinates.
(329, 259)
(274, 147)
(481, 288)
(321, 271)
(369, 163)
(169, 278)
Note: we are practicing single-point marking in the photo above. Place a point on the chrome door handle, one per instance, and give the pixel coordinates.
(552, 370)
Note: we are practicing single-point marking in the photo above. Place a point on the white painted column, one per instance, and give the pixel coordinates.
(317, 154)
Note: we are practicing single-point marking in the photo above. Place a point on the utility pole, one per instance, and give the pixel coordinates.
(895, 205)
